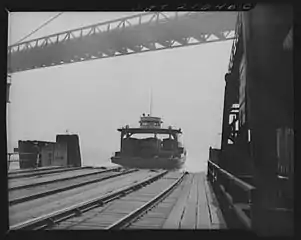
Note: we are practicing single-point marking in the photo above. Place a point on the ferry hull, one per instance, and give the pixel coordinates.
(149, 163)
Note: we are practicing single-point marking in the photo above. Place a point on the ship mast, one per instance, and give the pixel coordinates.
(151, 102)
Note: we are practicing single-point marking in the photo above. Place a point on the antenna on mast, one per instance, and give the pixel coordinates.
(151, 102)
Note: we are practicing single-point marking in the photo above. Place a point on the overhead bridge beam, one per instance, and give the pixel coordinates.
(145, 32)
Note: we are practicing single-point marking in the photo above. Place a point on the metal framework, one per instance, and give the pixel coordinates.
(144, 32)
(238, 34)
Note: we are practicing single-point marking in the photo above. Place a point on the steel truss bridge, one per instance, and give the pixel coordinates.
(139, 33)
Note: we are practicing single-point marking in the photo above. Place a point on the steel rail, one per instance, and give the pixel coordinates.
(242, 184)
(242, 217)
(128, 219)
(62, 189)
(41, 171)
(61, 179)
(34, 170)
(77, 209)
(48, 172)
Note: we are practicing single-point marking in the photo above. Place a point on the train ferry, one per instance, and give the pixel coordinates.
(152, 152)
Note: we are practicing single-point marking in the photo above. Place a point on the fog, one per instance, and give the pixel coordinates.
(94, 98)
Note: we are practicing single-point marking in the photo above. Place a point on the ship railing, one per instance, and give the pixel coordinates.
(236, 196)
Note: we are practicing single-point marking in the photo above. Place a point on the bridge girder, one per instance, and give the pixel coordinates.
(136, 34)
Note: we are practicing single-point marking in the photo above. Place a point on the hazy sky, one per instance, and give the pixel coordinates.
(96, 97)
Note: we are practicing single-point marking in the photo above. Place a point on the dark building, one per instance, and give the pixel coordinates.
(28, 153)
(50, 153)
(73, 149)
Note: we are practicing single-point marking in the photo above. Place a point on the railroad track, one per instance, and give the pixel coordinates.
(39, 173)
(23, 186)
(40, 194)
(152, 203)
(19, 171)
(149, 191)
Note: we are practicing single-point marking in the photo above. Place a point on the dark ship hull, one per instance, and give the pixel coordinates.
(150, 163)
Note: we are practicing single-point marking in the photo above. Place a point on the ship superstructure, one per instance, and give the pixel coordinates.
(160, 149)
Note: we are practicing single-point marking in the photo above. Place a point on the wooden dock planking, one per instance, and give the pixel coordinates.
(101, 221)
(154, 189)
(196, 207)
(190, 213)
(172, 175)
(138, 226)
(103, 214)
(35, 179)
(96, 220)
(38, 207)
(203, 214)
(83, 227)
(192, 205)
(60, 227)
(93, 225)
(165, 210)
(67, 224)
(173, 220)
(153, 214)
(164, 205)
(217, 219)
(132, 198)
(120, 208)
(170, 199)
(13, 194)
(129, 204)
(149, 223)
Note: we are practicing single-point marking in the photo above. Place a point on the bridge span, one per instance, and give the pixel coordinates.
(140, 33)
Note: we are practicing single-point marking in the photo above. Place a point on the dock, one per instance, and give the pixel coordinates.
(129, 199)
